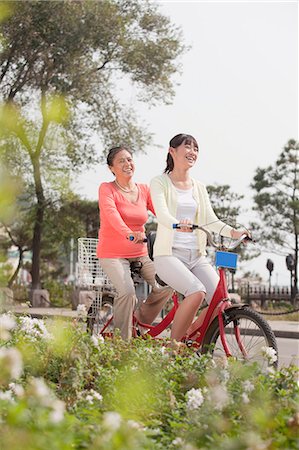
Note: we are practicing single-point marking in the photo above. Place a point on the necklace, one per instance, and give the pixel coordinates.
(127, 190)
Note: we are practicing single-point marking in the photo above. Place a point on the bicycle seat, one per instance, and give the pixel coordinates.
(150, 247)
(135, 267)
(150, 243)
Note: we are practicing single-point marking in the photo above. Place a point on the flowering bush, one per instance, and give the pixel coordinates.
(61, 388)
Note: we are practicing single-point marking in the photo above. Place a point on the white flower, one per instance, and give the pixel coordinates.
(34, 328)
(245, 397)
(11, 359)
(224, 374)
(133, 424)
(81, 310)
(7, 396)
(57, 413)
(96, 395)
(90, 396)
(248, 386)
(17, 389)
(178, 441)
(219, 396)
(89, 399)
(96, 339)
(39, 390)
(45, 397)
(7, 323)
(112, 420)
(194, 399)
(270, 354)
(270, 370)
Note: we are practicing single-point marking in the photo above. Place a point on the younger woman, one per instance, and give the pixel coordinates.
(180, 255)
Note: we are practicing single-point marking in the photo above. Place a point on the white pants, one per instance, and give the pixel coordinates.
(187, 272)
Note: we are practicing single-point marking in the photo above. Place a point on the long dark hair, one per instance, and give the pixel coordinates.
(114, 151)
(175, 142)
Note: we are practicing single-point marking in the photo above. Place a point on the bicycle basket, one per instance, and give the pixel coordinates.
(90, 273)
(226, 260)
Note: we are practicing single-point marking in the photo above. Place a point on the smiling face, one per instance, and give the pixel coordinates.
(122, 165)
(185, 155)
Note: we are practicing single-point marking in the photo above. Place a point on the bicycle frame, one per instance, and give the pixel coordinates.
(199, 327)
(218, 304)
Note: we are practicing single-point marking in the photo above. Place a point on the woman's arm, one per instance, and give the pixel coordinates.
(149, 204)
(163, 215)
(216, 225)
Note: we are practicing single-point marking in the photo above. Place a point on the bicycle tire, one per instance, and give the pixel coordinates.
(255, 334)
(99, 314)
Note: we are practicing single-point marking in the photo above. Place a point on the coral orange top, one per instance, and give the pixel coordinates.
(119, 217)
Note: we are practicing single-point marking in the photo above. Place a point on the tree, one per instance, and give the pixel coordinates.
(224, 202)
(79, 50)
(67, 220)
(277, 204)
(19, 234)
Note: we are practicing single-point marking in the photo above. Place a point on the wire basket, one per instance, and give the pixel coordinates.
(90, 274)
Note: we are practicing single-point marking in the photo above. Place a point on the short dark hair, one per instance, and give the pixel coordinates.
(114, 151)
(175, 142)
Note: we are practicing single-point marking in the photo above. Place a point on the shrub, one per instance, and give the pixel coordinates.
(62, 388)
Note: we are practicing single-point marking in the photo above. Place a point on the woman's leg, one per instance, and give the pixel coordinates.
(206, 273)
(174, 272)
(185, 314)
(154, 303)
(119, 273)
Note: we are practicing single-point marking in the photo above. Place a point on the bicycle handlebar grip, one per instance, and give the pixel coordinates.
(179, 225)
(131, 238)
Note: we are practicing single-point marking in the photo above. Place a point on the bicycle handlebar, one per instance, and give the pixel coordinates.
(211, 242)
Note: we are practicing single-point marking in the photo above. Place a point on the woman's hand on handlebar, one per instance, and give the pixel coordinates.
(138, 237)
(185, 226)
(235, 234)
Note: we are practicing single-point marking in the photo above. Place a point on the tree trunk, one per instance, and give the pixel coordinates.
(295, 286)
(38, 226)
(15, 274)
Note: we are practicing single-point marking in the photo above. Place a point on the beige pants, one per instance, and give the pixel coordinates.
(118, 271)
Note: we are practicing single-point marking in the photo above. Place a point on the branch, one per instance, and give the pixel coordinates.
(44, 128)
(10, 235)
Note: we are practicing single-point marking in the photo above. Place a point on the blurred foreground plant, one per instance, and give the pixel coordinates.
(61, 385)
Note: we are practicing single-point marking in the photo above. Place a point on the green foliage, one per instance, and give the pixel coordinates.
(5, 270)
(276, 200)
(80, 50)
(277, 204)
(227, 207)
(60, 63)
(59, 385)
(225, 202)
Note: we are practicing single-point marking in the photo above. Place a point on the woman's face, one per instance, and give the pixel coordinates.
(123, 165)
(185, 155)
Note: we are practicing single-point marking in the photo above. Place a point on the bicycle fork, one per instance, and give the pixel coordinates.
(237, 333)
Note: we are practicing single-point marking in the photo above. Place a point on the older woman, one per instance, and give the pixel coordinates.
(179, 255)
(124, 207)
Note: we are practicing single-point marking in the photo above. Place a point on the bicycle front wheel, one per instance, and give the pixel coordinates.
(248, 336)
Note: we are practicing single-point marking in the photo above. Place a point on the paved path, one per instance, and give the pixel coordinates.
(282, 328)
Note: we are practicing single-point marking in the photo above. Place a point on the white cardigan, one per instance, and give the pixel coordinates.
(164, 198)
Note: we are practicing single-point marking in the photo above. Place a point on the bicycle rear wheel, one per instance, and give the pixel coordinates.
(99, 313)
(255, 335)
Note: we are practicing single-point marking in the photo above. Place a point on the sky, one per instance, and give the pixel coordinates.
(237, 94)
